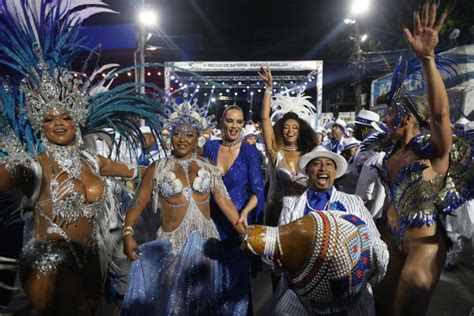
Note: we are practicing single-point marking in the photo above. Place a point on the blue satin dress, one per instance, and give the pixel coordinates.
(243, 179)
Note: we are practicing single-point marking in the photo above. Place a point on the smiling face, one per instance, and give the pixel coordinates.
(232, 122)
(184, 139)
(291, 132)
(59, 129)
(321, 173)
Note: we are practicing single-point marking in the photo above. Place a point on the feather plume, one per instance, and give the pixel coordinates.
(299, 104)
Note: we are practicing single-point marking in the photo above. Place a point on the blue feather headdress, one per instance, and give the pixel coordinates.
(411, 69)
(39, 43)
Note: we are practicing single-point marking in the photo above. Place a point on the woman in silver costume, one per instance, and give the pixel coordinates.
(286, 141)
(59, 267)
(422, 176)
(63, 266)
(179, 273)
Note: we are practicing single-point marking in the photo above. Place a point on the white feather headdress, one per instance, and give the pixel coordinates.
(299, 104)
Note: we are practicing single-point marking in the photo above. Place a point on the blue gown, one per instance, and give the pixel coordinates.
(243, 179)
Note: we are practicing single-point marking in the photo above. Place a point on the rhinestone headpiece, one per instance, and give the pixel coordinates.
(190, 115)
(59, 92)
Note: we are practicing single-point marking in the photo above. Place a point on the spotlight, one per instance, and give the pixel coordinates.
(147, 17)
(360, 7)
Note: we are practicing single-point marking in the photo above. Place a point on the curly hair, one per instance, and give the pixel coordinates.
(307, 136)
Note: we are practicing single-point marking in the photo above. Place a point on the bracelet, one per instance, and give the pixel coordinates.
(127, 230)
(271, 236)
(269, 91)
(135, 172)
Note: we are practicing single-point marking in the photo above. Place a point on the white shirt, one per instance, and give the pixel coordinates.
(369, 187)
(293, 208)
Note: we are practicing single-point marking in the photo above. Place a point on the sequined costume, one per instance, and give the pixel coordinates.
(50, 255)
(180, 272)
(244, 178)
(422, 202)
(49, 80)
(283, 182)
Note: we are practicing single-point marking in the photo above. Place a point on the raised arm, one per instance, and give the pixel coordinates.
(423, 42)
(130, 246)
(267, 128)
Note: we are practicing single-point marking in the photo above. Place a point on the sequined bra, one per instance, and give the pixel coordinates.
(418, 201)
(168, 185)
(69, 205)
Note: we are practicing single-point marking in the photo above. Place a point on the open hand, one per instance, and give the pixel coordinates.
(266, 75)
(425, 34)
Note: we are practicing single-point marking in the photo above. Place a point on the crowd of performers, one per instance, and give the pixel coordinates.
(350, 224)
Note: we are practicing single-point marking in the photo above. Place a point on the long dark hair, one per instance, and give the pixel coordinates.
(306, 138)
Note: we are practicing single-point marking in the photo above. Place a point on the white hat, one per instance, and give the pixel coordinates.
(350, 143)
(366, 117)
(320, 130)
(461, 122)
(379, 127)
(321, 151)
(340, 123)
(249, 131)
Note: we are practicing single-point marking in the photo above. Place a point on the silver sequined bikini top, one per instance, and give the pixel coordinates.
(68, 205)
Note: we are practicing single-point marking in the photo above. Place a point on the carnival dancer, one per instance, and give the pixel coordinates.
(286, 141)
(322, 284)
(63, 266)
(180, 273)
(240, 165)
(426, 177)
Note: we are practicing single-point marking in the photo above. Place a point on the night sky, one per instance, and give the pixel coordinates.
(271, 30)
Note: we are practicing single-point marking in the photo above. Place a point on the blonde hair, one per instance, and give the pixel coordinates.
(419, 107)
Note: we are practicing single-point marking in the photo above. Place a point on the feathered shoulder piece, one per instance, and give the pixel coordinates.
(299, 104)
